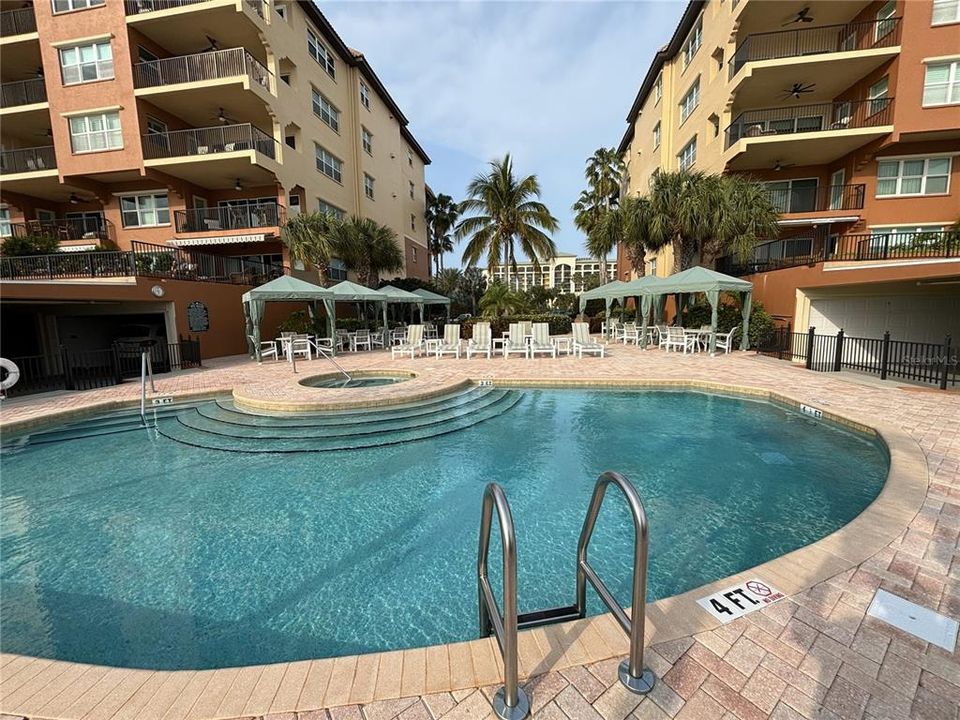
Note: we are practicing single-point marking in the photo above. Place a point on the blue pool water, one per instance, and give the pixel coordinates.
(133, 549)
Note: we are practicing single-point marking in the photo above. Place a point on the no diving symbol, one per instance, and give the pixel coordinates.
(758, 588)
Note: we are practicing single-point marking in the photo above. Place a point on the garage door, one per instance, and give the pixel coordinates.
(915, 318)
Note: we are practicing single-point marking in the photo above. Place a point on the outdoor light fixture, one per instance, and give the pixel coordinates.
(74, 200)
(237, 185)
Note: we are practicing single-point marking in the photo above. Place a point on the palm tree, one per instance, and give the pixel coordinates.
(311, 238)
(441, 215)
(628, 223)
(447, 281)
(369, 248)
(473, 284)
(604, 175)
(500, 300)
(507, 213)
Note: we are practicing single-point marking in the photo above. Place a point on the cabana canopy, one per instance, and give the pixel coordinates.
(283, 288)
(431, 298)
(607, 292)
(347, 291)
(396, 296)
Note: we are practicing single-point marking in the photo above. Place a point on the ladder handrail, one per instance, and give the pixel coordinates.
(510, 702)
(632, 673)
(323, 352)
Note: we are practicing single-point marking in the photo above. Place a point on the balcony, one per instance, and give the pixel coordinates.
(832, 56)
(182, 26)
(17, 22)
(188, 85)
(67, 229)
(228, 221)
(23, 92)
(770, 137)
(137, 7)
(818, 199)
(214, 157)
(28, 160)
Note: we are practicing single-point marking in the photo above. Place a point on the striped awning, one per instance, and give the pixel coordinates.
(78, 248)
(218, 240)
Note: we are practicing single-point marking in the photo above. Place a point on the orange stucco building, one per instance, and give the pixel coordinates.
(849, 110)
(180, 134)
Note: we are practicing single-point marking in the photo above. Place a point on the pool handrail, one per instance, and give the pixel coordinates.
(632, 674)
(510, 702)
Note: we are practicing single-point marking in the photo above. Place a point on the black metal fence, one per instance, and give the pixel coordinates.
(233, 217)
(17, 22)
(23, 92)
(31, 159)
(798, 119)
(91, 369)
(208, 141)
(931, 363)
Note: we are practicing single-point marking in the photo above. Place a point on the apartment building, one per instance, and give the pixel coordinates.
(849, 111)
(183, 133)
(565, 271)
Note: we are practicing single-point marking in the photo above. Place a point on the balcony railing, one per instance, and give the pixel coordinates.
(23, 92)
(794, 119)
(794, 252)
(202, 66)
(28, 159)
(817, 199)
(138, 7)
(208, 141)
(91, 228)
(816, 41)
(217, 219)
(17, 22)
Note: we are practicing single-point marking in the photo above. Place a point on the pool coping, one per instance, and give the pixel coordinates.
(475, 663)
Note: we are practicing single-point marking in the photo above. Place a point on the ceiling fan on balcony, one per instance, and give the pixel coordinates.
(803, 16)
(213, 46)
(224, 119)
(778, 166)
(798, 89)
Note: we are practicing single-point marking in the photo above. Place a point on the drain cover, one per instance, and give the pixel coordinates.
(915, 619)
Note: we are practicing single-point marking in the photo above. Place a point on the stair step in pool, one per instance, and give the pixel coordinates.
(178, 430)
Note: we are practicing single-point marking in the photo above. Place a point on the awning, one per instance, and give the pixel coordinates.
(218, 240)
(431, 298)
(820, 220)
(78, 248)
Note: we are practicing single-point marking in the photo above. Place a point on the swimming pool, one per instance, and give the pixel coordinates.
(137, 549)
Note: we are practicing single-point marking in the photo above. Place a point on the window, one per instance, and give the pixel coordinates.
(145, 210)
(885, 19)
(877, 95)
(411, 189)
(5, 228)
(941, 84)
(688, 155)
(318, 51)
(413, 222)
(327, 209)
(690, 101)
(413, 253)
(330, 165)
(916, 237)
(337, 269)
(409, 157)
(86, 63)
(836, 189)
(92, 133)
(915, 176)
(367, 139)
(658, 89)
(653, 267)
(946, 11)
(693, 42)
(68, 5)
(87, 222)
(656, 136)
(144, 55)
(364, 95)
(368, 186)
(326, 110)
(156, 127)
(793, 195)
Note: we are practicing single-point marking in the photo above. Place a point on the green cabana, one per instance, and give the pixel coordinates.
(284, 288)
(431, 298)
(397, 296)
(646, 294)
(608, 293)
(347, 291)
(711, 283)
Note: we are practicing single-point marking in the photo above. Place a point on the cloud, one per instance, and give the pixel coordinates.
(547, 81)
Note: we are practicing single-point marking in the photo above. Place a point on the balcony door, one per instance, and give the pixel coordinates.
(794, 196)
(836, 190)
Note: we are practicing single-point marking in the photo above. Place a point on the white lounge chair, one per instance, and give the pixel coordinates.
(515, 342)
(451, 341)
(267, 348)
(413, 343)
(677, 338)
(583, 343)
(725, 342)
(480, 343)
(541, 342)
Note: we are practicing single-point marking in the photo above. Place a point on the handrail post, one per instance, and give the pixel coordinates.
(510, 702)
(632, 673)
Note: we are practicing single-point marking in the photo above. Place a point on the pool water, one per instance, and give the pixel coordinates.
(132, 549)
(354, 382)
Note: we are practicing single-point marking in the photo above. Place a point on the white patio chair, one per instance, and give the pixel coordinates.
(480, 343)
(412, 344)
(725, 342)
(541, 342)
(451, 341)
(376, 340)
(583, 343)
(300, 346)
(629, 333)
(677, 338)
(361, 339)
(267, 349)
(398, 336)
(429, 331)
(662, 332)
(342, 340)
(514, 342)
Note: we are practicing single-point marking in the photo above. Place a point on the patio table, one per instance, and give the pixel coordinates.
(563, 344)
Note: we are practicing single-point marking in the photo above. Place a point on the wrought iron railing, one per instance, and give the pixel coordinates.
(201, 66)
(793, 119)
(20, 160)
(816, 41)
(234, 217)
(23, 92)
(17, 22)
(67, 266)
(137, 7)
(98, 229)
(817, 199)
(208, 141)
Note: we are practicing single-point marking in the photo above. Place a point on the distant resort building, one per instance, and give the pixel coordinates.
(565, 271)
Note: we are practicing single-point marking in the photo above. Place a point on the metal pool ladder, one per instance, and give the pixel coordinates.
(510, 701)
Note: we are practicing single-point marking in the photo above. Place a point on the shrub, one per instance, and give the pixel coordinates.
(728, 316)
(559, 324)
(30, 245)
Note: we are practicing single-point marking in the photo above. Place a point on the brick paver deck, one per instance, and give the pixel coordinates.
(813, 655)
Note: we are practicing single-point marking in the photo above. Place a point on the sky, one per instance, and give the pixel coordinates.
(548, 82)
